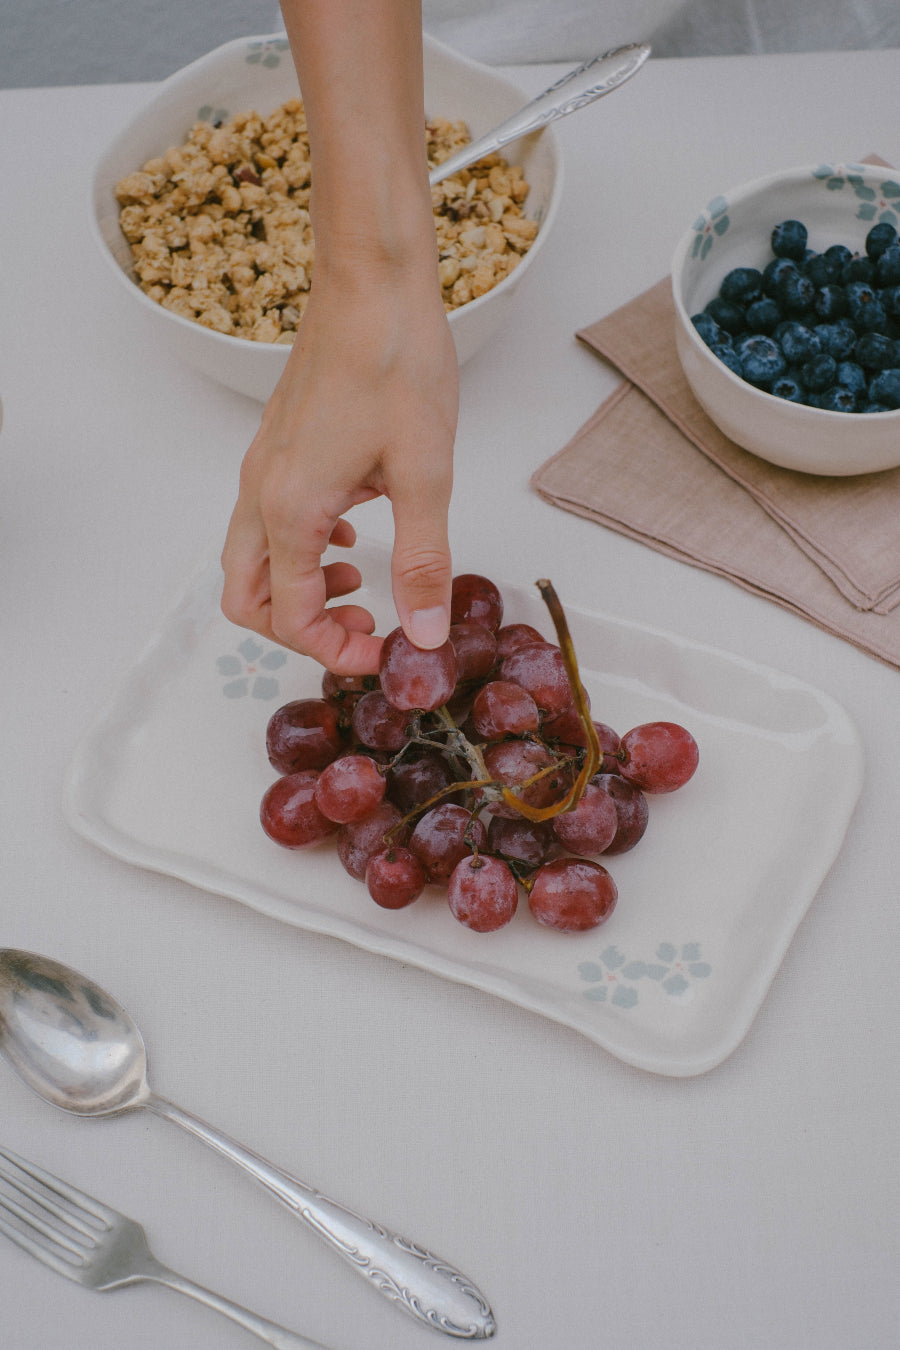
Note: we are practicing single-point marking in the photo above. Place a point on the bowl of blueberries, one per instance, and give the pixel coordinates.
(787, 317)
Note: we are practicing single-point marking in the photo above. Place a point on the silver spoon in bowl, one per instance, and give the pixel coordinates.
(76, 1047)
(576, 89)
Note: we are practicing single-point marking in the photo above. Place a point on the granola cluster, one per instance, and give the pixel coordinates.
(220, 232)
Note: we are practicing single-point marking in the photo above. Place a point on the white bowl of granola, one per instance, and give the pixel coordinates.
(201, 211)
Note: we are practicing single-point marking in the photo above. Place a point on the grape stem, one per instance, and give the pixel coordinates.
(459, 744)
(593, 755)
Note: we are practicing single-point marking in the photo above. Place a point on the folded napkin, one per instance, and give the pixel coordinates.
(652, 465)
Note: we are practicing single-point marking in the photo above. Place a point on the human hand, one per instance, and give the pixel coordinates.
(367, 405)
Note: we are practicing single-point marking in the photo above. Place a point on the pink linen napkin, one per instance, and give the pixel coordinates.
(652, 465)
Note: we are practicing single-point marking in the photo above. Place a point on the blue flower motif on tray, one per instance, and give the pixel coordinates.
(266, 53)
(245, 671)
(613, 978)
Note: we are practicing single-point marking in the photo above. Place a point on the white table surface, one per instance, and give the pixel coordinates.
(756, 1207)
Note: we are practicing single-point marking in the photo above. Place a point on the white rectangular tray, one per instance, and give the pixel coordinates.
(171, 775)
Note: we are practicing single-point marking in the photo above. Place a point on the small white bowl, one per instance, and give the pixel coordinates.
(258, 73)
(839, 204)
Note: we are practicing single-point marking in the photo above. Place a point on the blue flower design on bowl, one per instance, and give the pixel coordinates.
(712, 223)
(268, 53)
(879, 202)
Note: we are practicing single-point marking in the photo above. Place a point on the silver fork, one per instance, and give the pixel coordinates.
(94, 1245)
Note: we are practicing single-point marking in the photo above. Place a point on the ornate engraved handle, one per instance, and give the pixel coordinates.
(576, 89)
(421, 1284)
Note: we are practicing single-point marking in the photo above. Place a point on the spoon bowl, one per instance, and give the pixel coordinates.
(76, 1047)
(67, 1039)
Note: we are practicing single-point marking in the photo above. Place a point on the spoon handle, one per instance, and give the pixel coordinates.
(574, 90)
(423, 1285)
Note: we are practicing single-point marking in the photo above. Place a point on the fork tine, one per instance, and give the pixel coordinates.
(35, 1222)
(57, 1187)
(49, 1258)
(47, 1206)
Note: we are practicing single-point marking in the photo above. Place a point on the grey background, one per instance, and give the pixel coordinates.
(60, 42)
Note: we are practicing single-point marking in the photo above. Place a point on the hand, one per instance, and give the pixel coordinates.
(367, 405)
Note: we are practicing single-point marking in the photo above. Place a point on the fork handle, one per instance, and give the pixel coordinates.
(270, 1332)
(429, 1289)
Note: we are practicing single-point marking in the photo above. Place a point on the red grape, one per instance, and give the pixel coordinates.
(632, 811)
(474, 597)
(658, 756)
(345, 690)
(590, 826)
(362, 839)
(502, 708)
(413, 781)
(513, 762)
(572, 895)
(443, 836)
(541, 670)
(349, 788)
(525, 841)
(378, 724)
(395, 877)
(288, 812)
(304, 734)
(414, 678)
(476, 650)
(515, 635)
(482, 893)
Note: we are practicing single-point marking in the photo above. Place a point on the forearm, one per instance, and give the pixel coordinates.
(359, 63)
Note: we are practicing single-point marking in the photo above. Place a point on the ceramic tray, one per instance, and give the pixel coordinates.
(171, 775)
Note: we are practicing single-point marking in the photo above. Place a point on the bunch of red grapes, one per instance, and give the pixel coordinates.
(476, 767)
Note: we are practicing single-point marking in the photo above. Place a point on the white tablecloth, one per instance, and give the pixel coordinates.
(752, 1208)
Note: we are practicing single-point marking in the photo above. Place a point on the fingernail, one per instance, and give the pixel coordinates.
(428, 627)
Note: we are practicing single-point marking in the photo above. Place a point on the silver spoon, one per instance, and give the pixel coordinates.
(575, 90)
(70, 1042)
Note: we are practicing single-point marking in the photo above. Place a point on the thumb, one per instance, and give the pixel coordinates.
(421, 567)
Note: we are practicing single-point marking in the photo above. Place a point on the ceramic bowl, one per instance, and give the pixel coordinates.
(839, 204)
(259, 73)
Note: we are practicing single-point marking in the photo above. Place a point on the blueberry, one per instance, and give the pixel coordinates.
(772, 274)
(822, 270)
(788, 387)
(885, 388)
(795, 292)
(857, 269)
(838, 399)
(818, 373)
(875, 407)
(866, 310)
(851, 376)
(726, 314)
(890, 298)
(838, 254)
(742, 285)
(887, 268)
(837, 339)
(761, 360)
(789, 240)
(880, 237)
(874, 351)
(709, 330)
(797, 341)
(830, 302)
(764, 315)
(727, 355)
